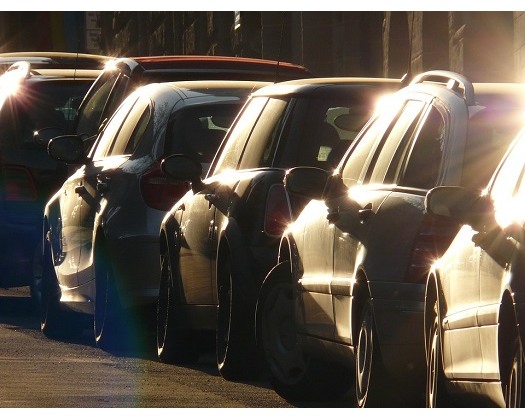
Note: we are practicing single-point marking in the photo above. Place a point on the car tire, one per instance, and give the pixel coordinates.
(235, 339)
(110, 329)
(435, 387)
(54, 322)
(294, 374)
(369, 370)
(174, 345)
(513, 384)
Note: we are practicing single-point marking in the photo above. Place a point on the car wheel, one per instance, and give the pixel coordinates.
(512, 386)
(370, 374)
(174, 345)
(435, 391)
(110, 329)
(294, 375)
(54, 323)
(235, 341)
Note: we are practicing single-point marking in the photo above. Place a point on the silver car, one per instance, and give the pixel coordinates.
(100, 234)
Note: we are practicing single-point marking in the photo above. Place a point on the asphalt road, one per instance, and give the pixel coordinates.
(37, 372)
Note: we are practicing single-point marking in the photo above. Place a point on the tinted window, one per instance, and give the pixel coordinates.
(261, 146)
(132, 129)
(197, 131)
(109, 135)
(490, 131)
(230, 154)
(362, 152)
(321, 129)
(40, 105)
(94, 106)
(401, 132)
(424, 159)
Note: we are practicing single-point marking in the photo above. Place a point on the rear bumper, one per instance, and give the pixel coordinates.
(18, 244)
(398, 310)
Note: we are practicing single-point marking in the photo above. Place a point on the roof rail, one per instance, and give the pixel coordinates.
(454, 81)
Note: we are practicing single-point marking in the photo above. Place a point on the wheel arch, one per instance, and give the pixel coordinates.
(507, 330)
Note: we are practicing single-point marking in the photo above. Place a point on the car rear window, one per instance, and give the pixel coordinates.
(40, 105)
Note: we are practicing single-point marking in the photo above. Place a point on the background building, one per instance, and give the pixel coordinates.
(485, 46)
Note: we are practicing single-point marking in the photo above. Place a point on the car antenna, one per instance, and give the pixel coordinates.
(405, 80)
(280, 49)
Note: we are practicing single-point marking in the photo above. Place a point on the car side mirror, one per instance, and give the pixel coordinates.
(309, 182)
(44, 135)
(183, 168)
(460, 204)
(67, 148)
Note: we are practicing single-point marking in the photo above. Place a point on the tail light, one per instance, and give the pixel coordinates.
(159, 191)
(434, 237)
(277, 214)
(19, 184)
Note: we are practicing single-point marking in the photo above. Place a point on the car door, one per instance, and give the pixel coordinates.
(102, 177)
(497, 250)
(198, 225)
(362, 225)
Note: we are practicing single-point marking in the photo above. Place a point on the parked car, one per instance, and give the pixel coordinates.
(124, 75)
(346, 296)
(474, 299)
(100, 235)
(219, 241)
(31, 100)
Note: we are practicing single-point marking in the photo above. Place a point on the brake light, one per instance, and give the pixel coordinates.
(435, 236)
(277, 214)
(19, 184)
(159, 191)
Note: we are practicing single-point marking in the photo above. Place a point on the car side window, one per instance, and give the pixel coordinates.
(92, 111)
(132, 129)
(504, 187)
(400, 132)
(109, 135)
(197, 131)
(262, 143)
(231, 151)
(426, 153)
(362, 151)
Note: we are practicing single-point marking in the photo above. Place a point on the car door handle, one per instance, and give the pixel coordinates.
(211, 198)
(365, 213)
(80, 189)
(333, 215)
(102, 186)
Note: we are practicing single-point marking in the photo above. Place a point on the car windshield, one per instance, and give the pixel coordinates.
(40, 105)
(491, 130)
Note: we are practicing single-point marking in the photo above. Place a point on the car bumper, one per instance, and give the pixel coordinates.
(18, 243)
(398, 310)
(136, 260)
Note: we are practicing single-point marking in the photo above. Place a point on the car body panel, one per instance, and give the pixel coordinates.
(480, 277)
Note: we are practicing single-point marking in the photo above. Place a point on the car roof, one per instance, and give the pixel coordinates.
(309, 85)
(23, 71)
(201, 88)
(188, 66)
(54, 60)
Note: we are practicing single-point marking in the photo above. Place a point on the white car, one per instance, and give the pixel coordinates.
(101, 248)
